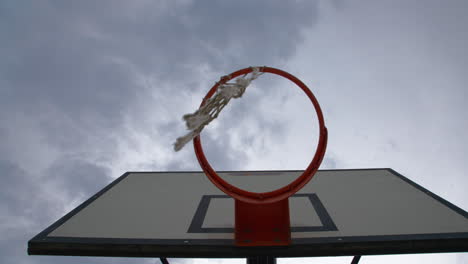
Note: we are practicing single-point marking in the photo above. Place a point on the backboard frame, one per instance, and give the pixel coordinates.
(42, 244)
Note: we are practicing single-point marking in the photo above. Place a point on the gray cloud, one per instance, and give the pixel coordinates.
(90, 89)
(21, 196)
(23, 208)
(78, 178)
(87, 60)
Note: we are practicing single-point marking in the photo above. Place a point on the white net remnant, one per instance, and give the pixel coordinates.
(210, 110)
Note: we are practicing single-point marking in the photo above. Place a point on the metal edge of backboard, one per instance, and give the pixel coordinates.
(223, 248)
(243, 171)
(366, 245)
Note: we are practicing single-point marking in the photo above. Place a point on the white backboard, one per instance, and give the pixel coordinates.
(182, 214)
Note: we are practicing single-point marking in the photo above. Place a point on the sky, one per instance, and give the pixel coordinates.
(92, 89)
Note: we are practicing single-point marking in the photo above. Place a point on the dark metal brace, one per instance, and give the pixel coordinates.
(356, 260)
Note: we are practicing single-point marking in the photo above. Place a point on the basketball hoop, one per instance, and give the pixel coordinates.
(272, 202)
(281, 193)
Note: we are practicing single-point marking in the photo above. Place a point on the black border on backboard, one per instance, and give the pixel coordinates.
(42, 244)
(196, 226)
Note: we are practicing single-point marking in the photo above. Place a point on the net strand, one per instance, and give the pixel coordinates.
(195, 122)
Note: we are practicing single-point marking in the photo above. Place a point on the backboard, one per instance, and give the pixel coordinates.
(182, 214)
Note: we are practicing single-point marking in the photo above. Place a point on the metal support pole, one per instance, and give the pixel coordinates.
(261, 260)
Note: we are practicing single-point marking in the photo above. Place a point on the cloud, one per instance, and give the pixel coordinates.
(23, 208)
(89, 90)
(89, 63)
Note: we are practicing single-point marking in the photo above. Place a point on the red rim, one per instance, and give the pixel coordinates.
(283, 192)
